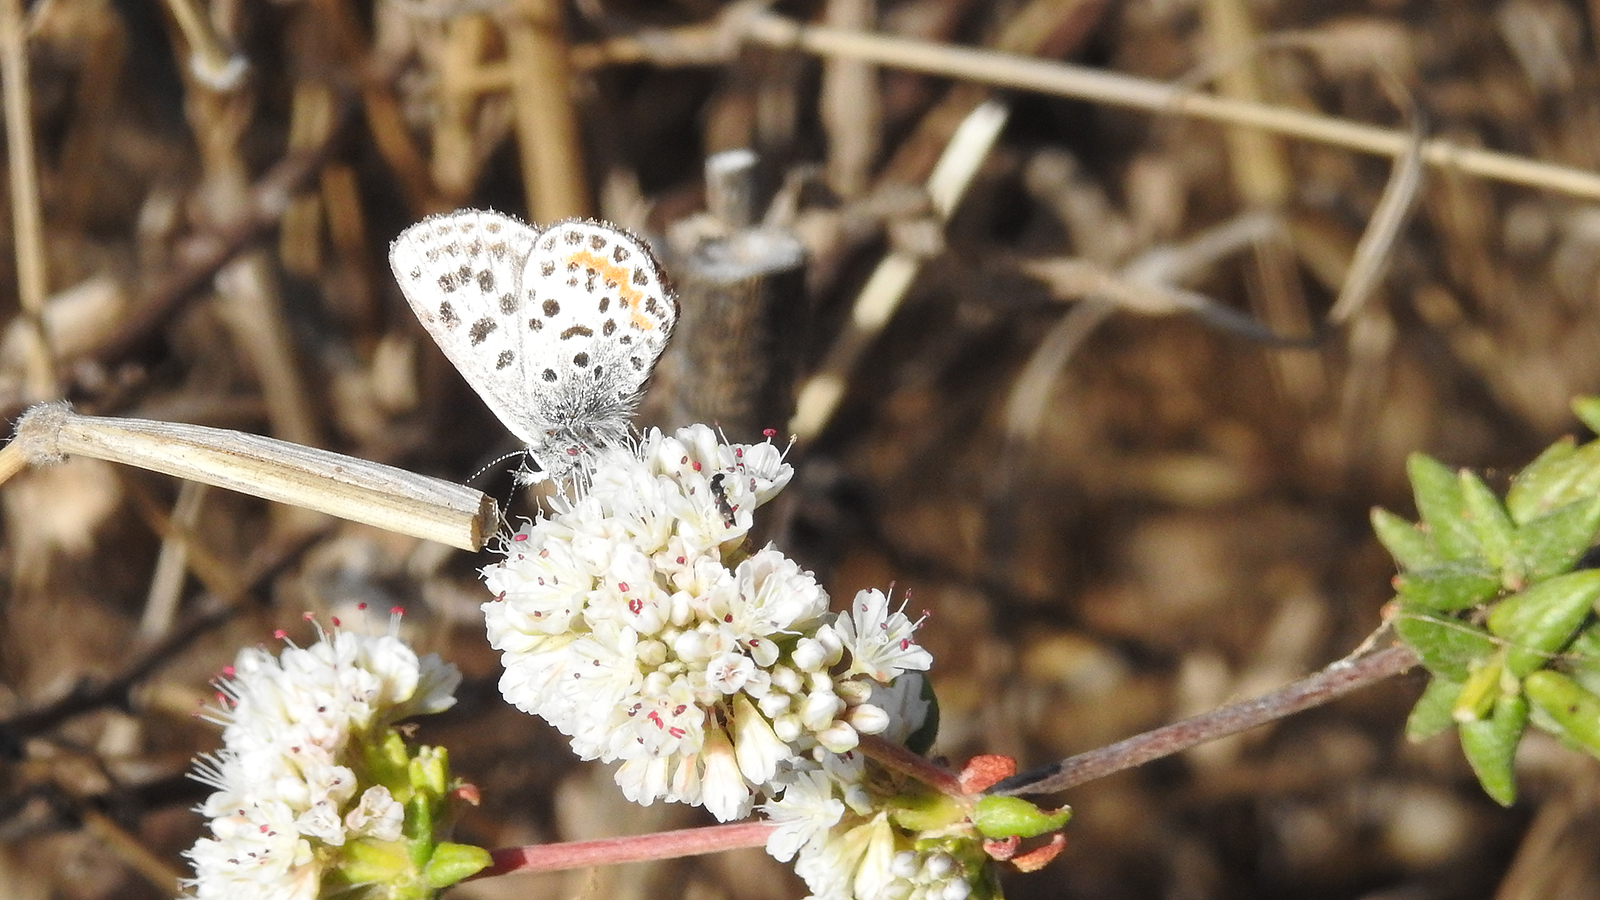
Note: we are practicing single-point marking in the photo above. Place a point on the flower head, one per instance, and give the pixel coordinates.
(636, 620)
(298, 727)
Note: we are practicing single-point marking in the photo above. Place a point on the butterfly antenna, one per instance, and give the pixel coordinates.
(492, 463)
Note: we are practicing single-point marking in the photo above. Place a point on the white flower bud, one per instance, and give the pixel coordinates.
(868, 719)
(838, 738)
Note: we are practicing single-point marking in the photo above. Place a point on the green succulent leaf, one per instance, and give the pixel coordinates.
(1552, 543)
(1411, 547)
(1447, 646)
(1442, 507)
(1583, 473)
(1496, 535)
(1450, 587)
(1571, 706)
(1539, 622)
(452, 862)
(1432, 714)
(998, 818)
(1582, 657)
(1490, 746)
(1542, 484)
(1587, 409)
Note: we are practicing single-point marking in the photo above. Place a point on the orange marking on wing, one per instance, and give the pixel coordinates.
(631, 298)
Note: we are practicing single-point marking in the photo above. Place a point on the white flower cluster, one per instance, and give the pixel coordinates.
(832, 820)
(294, 728)
(635, 620)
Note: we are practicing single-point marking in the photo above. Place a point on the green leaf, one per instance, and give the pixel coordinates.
(1442, 507)
(1572, 707)
(1447, 588)
(1552, 543)
(1410, 546)
(1582, 657)
(1587, 409)
(1539, 622)
(1583, 475)
(1448, 647)
(451, 863)
(1490, 746)
(1431, 715)
(1495, 534)
(998, 818)
(1542, 484)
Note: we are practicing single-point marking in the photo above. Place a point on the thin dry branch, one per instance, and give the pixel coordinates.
(1099, 86)
(26, 218)
(1335, 681)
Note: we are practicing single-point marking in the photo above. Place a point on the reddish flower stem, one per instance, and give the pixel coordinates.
(637, 848)
(899, 759)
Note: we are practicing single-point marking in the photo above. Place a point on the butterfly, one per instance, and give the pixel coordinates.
(557, 329)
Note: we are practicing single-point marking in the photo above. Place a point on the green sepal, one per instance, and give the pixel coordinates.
(419, 825)
(1450, 587)
(927, 810)
(1587, 409)
(1432, 714)
(1442, 507)
(1552, 543)
(1495, 534)
(1537, 623)
(452, 862)
(367, 861)
(430, 771)
(388, 762)
(998, 818)
(1490, 746)
(1448, 647)
(1575, 709)
(1542, 484)
(1411, 547)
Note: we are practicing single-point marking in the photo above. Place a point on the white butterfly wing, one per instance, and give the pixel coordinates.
(596, 295)
(462, 274)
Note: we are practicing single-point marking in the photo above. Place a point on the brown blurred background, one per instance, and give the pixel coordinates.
(1117, 513)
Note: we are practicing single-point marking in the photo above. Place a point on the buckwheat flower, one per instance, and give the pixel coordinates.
(633, 616)
(808, 809)
(880, 642)
(297, 729)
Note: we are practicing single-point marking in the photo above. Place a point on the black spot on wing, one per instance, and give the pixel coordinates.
(452, 280)
(505, 358)
(481, 330)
